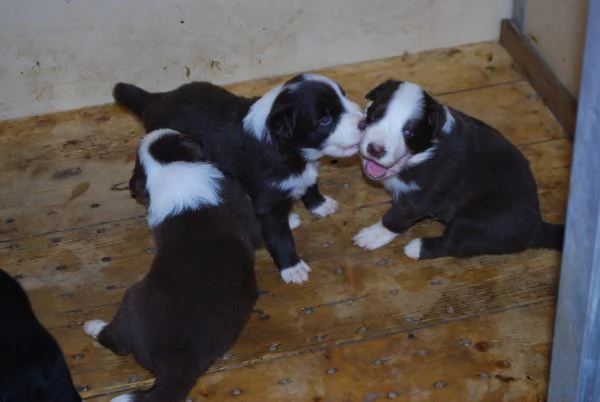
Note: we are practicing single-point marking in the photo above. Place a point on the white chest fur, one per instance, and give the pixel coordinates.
(298, 184)
(398, 187)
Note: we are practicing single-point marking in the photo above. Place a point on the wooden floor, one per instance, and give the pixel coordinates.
(368, 326)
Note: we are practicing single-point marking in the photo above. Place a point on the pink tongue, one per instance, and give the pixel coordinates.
(375, 169)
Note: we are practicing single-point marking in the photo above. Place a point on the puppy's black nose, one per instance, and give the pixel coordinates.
(375, 150)
(362, 124)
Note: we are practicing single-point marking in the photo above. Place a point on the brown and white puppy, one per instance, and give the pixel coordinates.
(440, 163)
(201, 287)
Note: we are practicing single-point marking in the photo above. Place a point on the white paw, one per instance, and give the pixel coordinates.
(374, 236)
(94, 327)
(296, 274)
(413, 249)
(123, 398)
(328, 207)
(294, 220)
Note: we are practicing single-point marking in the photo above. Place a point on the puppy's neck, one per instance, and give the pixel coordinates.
(180, 186)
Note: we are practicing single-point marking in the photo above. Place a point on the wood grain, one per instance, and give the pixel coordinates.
(70, 232)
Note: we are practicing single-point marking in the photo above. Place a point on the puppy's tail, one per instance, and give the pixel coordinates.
(133, 98)
(551, 236)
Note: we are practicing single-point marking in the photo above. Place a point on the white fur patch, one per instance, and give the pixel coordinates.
(178, 186)
(296, 274)
(413, 249)
(449, 124)
(94, 327)
(398, 187)
(255, 121)
(348, 104)
(298, 184)
(294, 220)
(342, 143)
(123, 398)
(421, 157)
(374, 236)
(328, 207)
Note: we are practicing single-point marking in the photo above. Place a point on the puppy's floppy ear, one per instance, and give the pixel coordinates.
(137, 182)
(378, 90)
(436, 115)
(193, 146)
(176, 148)
(282, 121)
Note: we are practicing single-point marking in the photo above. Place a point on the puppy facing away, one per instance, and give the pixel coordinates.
(32, 365)
(196, 298)
(269, 145)
(442, 164)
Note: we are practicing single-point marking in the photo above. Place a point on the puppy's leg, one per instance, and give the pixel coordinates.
(465, 238)
(394, 222)
(281, 245)
(317, 203)
(113, 336)
(165, 389)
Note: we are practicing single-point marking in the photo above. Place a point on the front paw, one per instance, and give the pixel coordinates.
(413, 249)
(374, 236)
(296, 274)
(327, 207)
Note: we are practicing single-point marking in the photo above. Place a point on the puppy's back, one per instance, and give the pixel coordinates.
(32, 366)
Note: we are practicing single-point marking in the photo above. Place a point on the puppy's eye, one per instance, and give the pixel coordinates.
(325, 121)
(407, 133)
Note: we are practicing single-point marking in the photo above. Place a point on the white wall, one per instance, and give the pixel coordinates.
(557, 28)
(64, 54)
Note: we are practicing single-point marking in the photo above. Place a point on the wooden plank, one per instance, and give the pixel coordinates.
(554, 94)
(489, 358)
(66, 181)
(440, 71)
(80, 274)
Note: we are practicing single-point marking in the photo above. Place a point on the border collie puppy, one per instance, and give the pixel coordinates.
(32, 365)
(440, 163)
(201, 287)
(270, 145)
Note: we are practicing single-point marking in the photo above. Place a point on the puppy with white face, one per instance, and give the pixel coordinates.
(270, 145)
(311, 112)
(440, 163)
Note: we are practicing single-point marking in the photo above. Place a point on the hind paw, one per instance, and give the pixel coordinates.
(94, 327)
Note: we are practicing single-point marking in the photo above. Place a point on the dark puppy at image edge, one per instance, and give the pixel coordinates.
(32, 365)
(269, 145)
(442, 164)
(200, 289)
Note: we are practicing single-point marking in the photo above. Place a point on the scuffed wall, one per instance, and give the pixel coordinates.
(65, 54)
(557, 28)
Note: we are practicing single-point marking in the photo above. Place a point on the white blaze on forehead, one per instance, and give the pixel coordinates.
(348, 104)
(406, 104)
